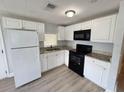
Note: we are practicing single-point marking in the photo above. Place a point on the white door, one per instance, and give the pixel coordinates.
(86, 25)
(66, 58)
(101, 29)
(61, 34)
(69, 33)
(26, 65)
(44, 62)
(29, 25)
(93, 71)
(60, 58)
(2, 61)
(12, 23)
(20, 38)
(52, 61)
(41, 30)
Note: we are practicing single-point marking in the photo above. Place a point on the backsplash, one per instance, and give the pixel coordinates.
(105, 48)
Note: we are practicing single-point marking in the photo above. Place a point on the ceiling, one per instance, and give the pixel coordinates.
(37, 9)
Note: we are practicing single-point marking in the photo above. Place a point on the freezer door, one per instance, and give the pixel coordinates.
(26, 65)
(20, 38)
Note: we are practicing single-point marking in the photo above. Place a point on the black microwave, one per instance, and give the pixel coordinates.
(82, 35)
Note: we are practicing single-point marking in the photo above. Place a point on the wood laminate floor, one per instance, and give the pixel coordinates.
(60, 79)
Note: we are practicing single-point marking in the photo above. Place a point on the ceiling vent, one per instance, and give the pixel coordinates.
(50, 6)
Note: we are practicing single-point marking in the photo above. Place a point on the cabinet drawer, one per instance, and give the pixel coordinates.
(101, 63)
(12, 23)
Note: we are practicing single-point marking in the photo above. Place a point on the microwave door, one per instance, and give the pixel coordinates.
(79, 36)
(87, 35)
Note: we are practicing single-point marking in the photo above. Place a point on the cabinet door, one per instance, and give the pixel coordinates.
(103, 29)
(61, 34)
(43, 63)
(86, 25)
(66, 58)
(40, 30)
(77, 27)
(11, 23)
(69, 33)
(93, 71)
(60, 58)
(105, 77)
(52, 61)
(29, 25)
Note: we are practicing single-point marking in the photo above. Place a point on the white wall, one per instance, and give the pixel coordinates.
(50, 28)
(117, 50)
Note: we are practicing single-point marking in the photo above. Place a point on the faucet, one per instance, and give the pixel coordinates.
(51, 46)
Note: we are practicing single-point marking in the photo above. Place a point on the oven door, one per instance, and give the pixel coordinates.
(76, 63)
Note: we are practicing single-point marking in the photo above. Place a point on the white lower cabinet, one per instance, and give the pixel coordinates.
(43, 62)
(66, 57)
(97, 71)
(93, 72)
(53, 59)
(60, 58)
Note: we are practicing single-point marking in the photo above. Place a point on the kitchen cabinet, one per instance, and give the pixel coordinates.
(29, 25)
(61, 33)
(69, 33)
(43, 62)
(103, 29)
(66, 58)
(11, 23)
(41, 31)
(52, 60)
(97, 71)
(60, 58)
(77, 27)
(86, 25)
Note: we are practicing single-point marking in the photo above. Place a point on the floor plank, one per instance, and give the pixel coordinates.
(60, 79)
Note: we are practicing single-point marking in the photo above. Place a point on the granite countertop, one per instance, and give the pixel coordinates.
(43, 50)
(103, 57)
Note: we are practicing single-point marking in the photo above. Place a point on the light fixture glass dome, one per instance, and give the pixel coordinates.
(70, 13)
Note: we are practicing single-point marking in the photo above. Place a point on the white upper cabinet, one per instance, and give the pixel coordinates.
(86, 25)
(103, 29)
(29, 25)
(69, 33)
(11, 23)
(61, 33)
(41, 30)
(77, 27)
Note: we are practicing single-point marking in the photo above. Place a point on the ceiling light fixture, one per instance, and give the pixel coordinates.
(70, 13)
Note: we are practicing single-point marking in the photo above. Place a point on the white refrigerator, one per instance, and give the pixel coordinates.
(24, 55)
